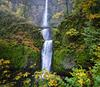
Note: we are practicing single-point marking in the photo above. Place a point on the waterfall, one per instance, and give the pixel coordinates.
(47, 46)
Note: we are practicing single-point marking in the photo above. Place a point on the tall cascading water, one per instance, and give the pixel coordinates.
(47, 46)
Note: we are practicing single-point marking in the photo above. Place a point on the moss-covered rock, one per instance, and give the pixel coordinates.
(69, 48)
(63, 60)
(20, 56)
(82, 58)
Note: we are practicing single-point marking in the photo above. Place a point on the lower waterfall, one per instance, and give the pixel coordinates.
(47, 50)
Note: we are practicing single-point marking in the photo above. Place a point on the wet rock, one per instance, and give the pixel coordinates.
(68, 62)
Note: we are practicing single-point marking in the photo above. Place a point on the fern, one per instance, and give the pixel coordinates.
(91, 36)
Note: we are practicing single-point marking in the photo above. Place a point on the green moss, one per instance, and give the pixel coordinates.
(17, 55)
(58, 57)
(82, 57)
(13, 53)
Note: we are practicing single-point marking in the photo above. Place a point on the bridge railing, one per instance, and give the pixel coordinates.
(45, 27)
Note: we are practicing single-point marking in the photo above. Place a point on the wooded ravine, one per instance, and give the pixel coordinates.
(61, 36)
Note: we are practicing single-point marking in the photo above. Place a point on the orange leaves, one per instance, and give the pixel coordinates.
(86, 5)
(20, 74)
(6, 66)
(25, 40)
(8, 75)
(4, 81)
(27, 81)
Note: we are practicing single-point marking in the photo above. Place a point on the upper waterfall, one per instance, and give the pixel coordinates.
(45, 17)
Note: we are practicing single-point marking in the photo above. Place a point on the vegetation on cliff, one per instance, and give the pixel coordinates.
(20, 42)
(76, 44)
(78, 32)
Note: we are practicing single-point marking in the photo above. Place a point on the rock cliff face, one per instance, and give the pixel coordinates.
(36, 9)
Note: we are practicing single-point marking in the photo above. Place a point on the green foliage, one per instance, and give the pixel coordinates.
(96, 53)
(59, 55)
(75, 10)
(96, 74)
(13, 53)
(18, 54)
(80, 78)
(91, 36)
(80, 32)
(82, 57)
(18, 40)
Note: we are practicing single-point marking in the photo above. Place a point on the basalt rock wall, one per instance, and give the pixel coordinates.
(36, 9)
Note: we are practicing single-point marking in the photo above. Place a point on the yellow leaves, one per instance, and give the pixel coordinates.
(86, 5)
(51, 79)
(2, 62)
(5, 71)
(21, 74)
(72, 32)
(81, 74)
(6, 61)
(10, 5)
(6, 6)
(20, 11)
(34, 64)
(26, 74)
(92, 16)
(80, 81)
(31, 66)
(88, 80)
(36, 77)
(72, 74)
(57, 15)
(57, 42)
(17, 77)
